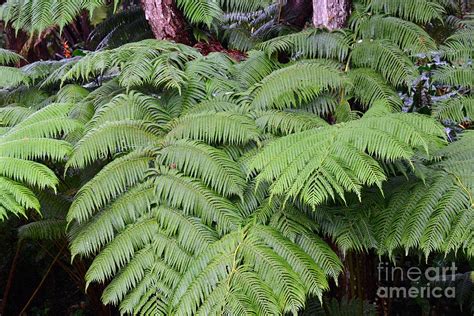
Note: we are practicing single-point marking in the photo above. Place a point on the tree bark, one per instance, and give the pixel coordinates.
(297, 12)
(166, 21)
(330, 14)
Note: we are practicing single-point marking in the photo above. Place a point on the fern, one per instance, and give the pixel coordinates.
(37, 16)
(308, 79)
(206, 186)
(9, 57)
(386, 58)
(455, 76)
(316, 173)
(422, 11)
(457, 109)
(310, 44)
(22, 147)
(407, 35)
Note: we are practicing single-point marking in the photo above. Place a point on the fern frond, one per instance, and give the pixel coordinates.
(457, 109)
(287, 122)
(386, 58)
(113, 180)
(422, 11)
(370, 87)
(193, 197)
(424, 217)
(12, 115)
(459, 46)
(455, 76)
(24, 196)
(409, 36)
(296, 167)
(111, 138)
(9, 57)
(199, 160)
(48, 229)
(296, 84)
(93, 234)
(33, 149)
(200, 11)
(133, 106)
(32, 173)
(256, 67)
(214, 127)
(310, 43)
(12, 77)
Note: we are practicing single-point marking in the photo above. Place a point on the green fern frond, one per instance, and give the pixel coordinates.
(297, 168)
(133, 106)
(409, 36)
(425, 216)
(256, 67)
(200, 11)
(193, 197)
(48, 128)
(310, 43)
(113, 180)
(36, 148)
(71, 93)
(24, 196)
(37, 16)
(459, 46)
(214, 127)
(457, 109)
(370, 87)
(455, 76)
(12, 115)
(199, 160)
(422, 11)
(45, 229)
(111, 138)
(12, 77)
(32, 173)
(287, 122)
(386, 58)
(9, 57)
(296, 84)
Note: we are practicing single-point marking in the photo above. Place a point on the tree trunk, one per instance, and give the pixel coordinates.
(166, 21)
(330, 14)
(297, 12)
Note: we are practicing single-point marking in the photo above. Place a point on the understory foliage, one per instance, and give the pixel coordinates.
(209, 186)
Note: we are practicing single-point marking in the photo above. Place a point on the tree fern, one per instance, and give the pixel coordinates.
(456, 76)
(407, 35)
(206, 185)
(385, 57)
(22, 147)
(8, 57)
(317, 173)
(370, 87)
(417, 11)
(295, 84)
(310, 44)
(456, 109)
(37, 16)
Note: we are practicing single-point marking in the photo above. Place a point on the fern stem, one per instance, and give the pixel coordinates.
(11, 274)
(43, 279)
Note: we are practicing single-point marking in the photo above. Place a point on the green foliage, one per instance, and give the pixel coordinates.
(27, 139)
(8, 57)
(201, 185)
(37, 16)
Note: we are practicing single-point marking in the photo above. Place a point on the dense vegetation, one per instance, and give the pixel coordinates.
(243, 181)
